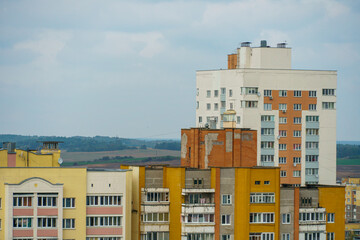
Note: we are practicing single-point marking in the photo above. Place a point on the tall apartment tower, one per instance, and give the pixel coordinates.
(293, 111)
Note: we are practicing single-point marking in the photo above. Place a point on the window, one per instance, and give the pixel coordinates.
(223, 104)
(266, 145)
(312, 107)
(114, 200)
(285, 236)
(330, 236)
(194, 236)
(249, 104)
(155, 217)
(22, 222)
(238, 119)
(223, 90)
(68, 202)
(282, 106)
(267, 106)
(208, 106)
(312, 235)
(282, 146)
(197, 182)
(48, 222)
(306, 201)
(47, 201)
(260, 197)
(267, 158)
(296, 173)
(286, 218)
(230, 92)
(225, 237)
(261, 236)
(282, 133)
(297, 147)
(267, 131)
(267, 93)
(328, 92)
(312, 131)
(261, 217)
(317, 216)
(225, 219)
(231, 105)
(297, 93)
(69, 223)
(197, 104)
(297, 107)
(226, 199)
(249, 90)
(282, 120)
(216, 93)
(282, 160)
(331, 217)
(296, 160)
(197, 92)
(297, 133)
(312, 145)
(154, 236)
(311, 171)
(282, 93)
(200, 119)
(266, 182)
(267, 118)
(312, 93)
(312, 158)
(312, 118)
(216, 106)
(282, 173)
(22, 201)
(297, 120)
(328, 105)
(257, 182)
(208, 93)
(103, 221)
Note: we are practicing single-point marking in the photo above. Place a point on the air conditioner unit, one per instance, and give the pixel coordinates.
(278, 137)
(270, 98)
(294, 164)
(316, 175)
(259, 94)
(284, 111)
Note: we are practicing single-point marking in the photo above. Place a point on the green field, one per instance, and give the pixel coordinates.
(342, 161)
(135, 153)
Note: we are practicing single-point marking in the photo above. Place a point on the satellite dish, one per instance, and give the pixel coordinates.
(60, 161)
(259, 94)
(278, 137)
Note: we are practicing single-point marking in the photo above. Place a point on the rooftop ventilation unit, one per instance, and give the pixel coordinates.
(245, 44)
(263, 43)
(281, 45)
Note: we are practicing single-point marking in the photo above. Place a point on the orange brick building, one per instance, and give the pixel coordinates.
(230, 147)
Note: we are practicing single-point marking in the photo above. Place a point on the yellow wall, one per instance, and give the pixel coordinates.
(32, 158)
(3, 158)
(74, 180)
(245, 184)
(333, 199)
(174, 179)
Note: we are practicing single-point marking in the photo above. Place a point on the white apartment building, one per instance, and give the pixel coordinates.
(293, 111)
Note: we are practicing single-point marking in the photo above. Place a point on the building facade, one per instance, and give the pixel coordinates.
(48, 155)
(230, 147)
(352, 196)
(64, 203)
(293, 111)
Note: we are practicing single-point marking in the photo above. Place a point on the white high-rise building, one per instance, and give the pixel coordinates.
(294, 111)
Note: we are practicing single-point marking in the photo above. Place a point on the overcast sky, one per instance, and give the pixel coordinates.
(127, 68)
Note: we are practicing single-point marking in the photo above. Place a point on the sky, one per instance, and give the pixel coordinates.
(127, 68)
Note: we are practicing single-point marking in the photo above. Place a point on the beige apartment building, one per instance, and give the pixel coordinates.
(293, 111)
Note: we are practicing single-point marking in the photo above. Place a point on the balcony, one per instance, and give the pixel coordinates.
(198, 201)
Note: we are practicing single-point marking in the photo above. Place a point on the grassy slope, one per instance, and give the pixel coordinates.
(136, 153)
(341, 161)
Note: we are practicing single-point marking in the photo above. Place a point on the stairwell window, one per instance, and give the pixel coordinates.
(225, 219)
(208, 93)
(216, 93)
(331, 217)
(216, 106)
(297, 93)
(282, 93)
(286, 218)
(230, 92)
(226, 199)
(282, 146)
(297, 107)
(208, 106)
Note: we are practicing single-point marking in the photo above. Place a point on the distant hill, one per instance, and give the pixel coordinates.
(90, 144)
(349, 142)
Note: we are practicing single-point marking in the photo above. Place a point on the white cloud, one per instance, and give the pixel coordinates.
(145, 45)
(48, 45)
